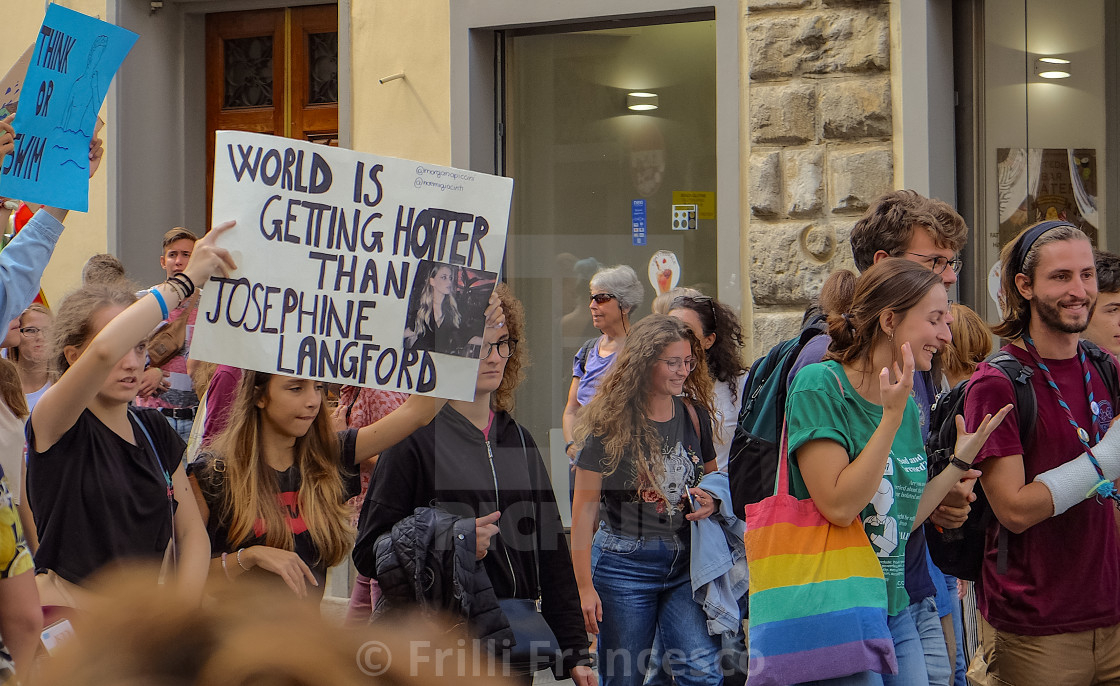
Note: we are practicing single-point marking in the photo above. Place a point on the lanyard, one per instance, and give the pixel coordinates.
(1104, 487)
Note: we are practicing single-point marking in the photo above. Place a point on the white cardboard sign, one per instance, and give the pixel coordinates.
(352, 268)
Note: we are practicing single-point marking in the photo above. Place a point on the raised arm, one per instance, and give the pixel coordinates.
(396, 426)
(64, 402)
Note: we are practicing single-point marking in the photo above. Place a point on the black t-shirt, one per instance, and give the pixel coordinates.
(633, 509)
(98, 498)
(212, 486)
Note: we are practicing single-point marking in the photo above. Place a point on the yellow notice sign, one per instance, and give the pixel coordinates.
(705, 201)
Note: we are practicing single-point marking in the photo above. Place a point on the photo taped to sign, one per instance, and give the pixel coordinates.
(447, 308)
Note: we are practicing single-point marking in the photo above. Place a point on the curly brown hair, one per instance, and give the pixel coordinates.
(514, 374)
(617, 412)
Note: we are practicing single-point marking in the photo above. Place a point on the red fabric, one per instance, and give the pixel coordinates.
(371, 405)
(1063, 574)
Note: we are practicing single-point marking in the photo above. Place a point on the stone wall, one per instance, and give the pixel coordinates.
(819, 131)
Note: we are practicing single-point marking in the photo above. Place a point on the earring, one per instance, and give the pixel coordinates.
(890, 336)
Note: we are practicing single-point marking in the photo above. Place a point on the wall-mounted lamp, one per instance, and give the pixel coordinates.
(1052, 68)
(640, 102)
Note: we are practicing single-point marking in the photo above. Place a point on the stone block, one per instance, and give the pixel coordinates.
(783, 114)
(804, 180)
(764, 189)
(771, 328)
(858, 176)
(856, 108)
(790, 260)
(756, 5)
(843, 40)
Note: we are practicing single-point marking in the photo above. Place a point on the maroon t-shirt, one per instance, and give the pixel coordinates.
(1063, 574)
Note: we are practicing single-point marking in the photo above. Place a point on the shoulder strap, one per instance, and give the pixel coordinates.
(1026, 404)
(584, 352)
(172, 550)
(536, 559)
(693, 416)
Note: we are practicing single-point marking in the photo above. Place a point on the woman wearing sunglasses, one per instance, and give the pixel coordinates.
(615, 293)
(645, 442)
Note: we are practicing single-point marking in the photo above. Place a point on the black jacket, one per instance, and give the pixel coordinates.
(429, 559)
(448, 464)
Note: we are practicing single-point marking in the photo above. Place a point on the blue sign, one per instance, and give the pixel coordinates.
(638, 221)
(74, 60)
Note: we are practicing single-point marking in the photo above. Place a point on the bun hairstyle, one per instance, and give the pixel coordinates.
(1020, 256)
(890, 285)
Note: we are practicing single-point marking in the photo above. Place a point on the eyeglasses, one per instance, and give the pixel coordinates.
(505, 348)
(31, 331)
(674, 364)
(940, 262)
(603, 298)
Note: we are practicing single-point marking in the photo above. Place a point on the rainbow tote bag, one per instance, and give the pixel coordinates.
(818, 599)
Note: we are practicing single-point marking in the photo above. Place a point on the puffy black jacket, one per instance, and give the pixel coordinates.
(428, 559)
(450, 464)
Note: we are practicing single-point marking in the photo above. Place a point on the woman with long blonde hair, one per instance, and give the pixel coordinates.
(645, 441)
(273, 485)
(437, 316)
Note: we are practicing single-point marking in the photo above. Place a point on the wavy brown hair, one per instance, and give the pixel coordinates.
(11, 391)
(617, 412)
(890, 285)
(249, 486)
(514, 374)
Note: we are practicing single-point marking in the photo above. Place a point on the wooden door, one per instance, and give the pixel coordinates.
(272, 71)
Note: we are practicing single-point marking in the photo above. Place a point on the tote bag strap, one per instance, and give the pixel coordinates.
(781, 479)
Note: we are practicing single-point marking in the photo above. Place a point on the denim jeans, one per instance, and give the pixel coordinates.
(181, 426)
(908, 650)
(928, 621)
(645, 588)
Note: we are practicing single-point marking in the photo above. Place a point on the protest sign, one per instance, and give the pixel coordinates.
(72, 64)
(12, 83)
(352, 268)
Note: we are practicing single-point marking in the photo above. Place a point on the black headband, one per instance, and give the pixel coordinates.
(1027, 241)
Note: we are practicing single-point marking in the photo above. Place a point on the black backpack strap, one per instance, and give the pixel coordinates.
(584, 352)
(1026, 404)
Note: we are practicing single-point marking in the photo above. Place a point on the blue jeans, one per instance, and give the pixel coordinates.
(181, 426)
(645, 588)
(908, 650)
(928, 622)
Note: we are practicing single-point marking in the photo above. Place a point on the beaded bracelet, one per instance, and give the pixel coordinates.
(239, 560)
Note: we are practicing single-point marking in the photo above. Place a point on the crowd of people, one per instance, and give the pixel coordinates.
(117, 448)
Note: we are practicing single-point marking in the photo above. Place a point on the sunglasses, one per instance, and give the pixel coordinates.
(603, 298)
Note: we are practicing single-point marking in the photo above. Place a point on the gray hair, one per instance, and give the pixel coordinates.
(621, 281)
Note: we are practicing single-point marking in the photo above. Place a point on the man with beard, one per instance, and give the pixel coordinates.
(1053, 614)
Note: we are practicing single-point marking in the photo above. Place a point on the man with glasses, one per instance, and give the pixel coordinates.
(930, 232)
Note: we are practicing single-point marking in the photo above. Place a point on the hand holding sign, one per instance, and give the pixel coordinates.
(71, 65)
(7, 135)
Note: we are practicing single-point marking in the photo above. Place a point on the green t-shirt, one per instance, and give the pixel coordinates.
(823, 404)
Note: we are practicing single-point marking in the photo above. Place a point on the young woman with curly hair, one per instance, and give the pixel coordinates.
(475, 460)
(721, 336)
(646, 441)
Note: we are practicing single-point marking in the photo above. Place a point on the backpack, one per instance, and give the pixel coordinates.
(752, 463)
(960, 552)
(584, 351)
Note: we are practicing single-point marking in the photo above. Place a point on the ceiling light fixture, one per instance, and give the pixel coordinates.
(1052, 68)
(641, 101)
